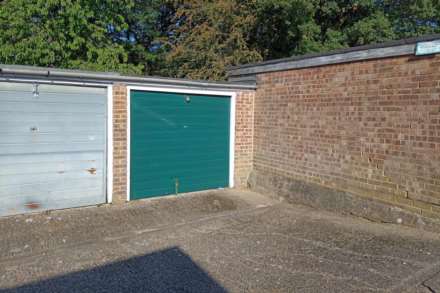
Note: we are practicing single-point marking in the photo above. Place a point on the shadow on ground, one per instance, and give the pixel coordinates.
(169, 270)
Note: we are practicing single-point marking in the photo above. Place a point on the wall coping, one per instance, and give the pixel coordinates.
(367, 52)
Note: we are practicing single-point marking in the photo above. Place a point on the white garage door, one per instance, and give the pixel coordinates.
(52, 147)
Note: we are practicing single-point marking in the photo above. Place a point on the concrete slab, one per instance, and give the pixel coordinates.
(222, 241)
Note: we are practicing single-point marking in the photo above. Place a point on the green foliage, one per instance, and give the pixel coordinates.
(303, 26)
(324, 25)
(207, 37)
(372, 29)
(215, 34)
(284, 27)
(140, 31)
(411, 18)
(197, 38)
(71, 34)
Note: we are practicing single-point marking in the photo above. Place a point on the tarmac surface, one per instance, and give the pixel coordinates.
(217, 241)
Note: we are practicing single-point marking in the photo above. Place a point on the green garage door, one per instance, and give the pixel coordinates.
(179, 143)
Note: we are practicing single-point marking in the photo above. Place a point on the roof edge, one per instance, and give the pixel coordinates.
(55, 74)
(403, 47)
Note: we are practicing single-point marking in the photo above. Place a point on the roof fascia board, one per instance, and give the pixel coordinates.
(327, 60)
(55, 74)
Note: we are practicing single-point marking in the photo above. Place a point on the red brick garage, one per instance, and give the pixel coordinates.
(355, 131)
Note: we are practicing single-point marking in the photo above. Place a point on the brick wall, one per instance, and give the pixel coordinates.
(243, 140)
(244, 131)
(119, 143)
(370, 129)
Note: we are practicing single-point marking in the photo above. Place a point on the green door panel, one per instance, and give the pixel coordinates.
(176, 140)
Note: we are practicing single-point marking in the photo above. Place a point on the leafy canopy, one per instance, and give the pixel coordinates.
(197, 38)
(99, 35)
(208, 36)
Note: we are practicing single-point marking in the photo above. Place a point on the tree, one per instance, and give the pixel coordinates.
(286, 27)
(142, 19)
(99, 35)
(197, 38)
(206, 37)
(293, 27)
(411, 18)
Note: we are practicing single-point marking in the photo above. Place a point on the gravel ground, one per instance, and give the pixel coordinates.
(219, 241)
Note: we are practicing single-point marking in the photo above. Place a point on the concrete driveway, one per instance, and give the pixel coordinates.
(223, 241)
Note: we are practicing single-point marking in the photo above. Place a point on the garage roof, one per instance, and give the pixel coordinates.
(33, 73)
